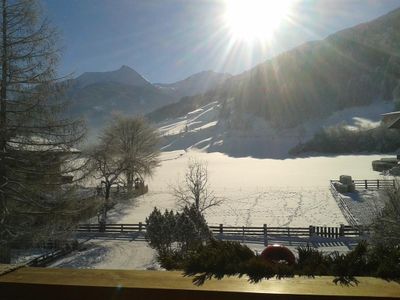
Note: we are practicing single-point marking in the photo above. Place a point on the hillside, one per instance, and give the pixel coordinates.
(353, 67)
(97, 95)
(244, 135)
(196, 84)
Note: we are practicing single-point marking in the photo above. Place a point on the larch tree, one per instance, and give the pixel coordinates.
(36, 137)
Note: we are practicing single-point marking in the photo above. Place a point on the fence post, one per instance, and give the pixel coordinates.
(360, 231)
(366, 184)
(102, 226)
(341, 230)
(140, 226)
(221, 228)
(377, 183)
(311, 230)
(265, 234)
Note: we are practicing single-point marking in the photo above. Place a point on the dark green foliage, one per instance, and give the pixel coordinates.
(258, 269)
(340, 139)
(171, 259)
(346, 266)
(220, 258)
(384, 261)
(191, 228)
(311, 262)
(160, 229)
(216, 259)
(175, 235)
(386, 226)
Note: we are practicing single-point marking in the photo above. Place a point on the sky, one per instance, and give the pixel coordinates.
(169, 40)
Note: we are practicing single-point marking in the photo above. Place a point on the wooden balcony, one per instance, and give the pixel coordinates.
(43, 283)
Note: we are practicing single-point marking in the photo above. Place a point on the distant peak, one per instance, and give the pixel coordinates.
(125, 67)
(124, 75)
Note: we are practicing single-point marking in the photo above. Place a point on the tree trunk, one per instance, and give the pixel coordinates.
(103, 220)
(5, 254)
(129, 181)
(3, 132)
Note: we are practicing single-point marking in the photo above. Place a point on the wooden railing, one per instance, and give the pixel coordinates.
(246, 231)
(57, 250)
(60, 284)
(371, 184)
(343, 206)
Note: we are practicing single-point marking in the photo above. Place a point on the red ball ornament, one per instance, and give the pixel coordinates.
(276, 253)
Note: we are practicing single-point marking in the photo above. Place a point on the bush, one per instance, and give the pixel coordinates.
(160, 230)
(386, 226)
(173, 235)
(220, 258)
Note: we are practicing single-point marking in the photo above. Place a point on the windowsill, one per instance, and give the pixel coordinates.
(46, 283)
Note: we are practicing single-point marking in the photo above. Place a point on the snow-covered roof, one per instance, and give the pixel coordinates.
(392, 119)
(392, 113)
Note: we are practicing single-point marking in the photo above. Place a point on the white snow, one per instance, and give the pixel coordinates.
(110, 254)
(290, 192)
(248, 135)
(364, 205)
(257, 188)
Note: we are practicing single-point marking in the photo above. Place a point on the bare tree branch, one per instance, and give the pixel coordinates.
(195, 190)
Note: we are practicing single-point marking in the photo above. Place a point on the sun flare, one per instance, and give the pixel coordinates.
(255, 19)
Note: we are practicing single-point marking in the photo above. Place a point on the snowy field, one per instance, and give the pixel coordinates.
(111, 254)
(290, 192)
(365, 205)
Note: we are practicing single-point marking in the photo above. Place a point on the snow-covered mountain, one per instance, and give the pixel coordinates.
(354, 67)
(207, 128)
(124, 75)
(198, 83)
(97, 95)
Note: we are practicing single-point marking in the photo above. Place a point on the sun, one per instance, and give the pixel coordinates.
(255, 19)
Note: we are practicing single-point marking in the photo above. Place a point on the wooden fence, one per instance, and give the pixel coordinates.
(371, 184)
(245, 231)
(56, 253)
(343, 206)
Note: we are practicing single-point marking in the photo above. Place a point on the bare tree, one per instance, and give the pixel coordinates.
(107, 167)
(127, 148)
(195, 190)
(36, 137)
(135, 142)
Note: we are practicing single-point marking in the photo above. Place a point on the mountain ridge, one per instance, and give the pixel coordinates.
(352, 67)
(97, 95)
